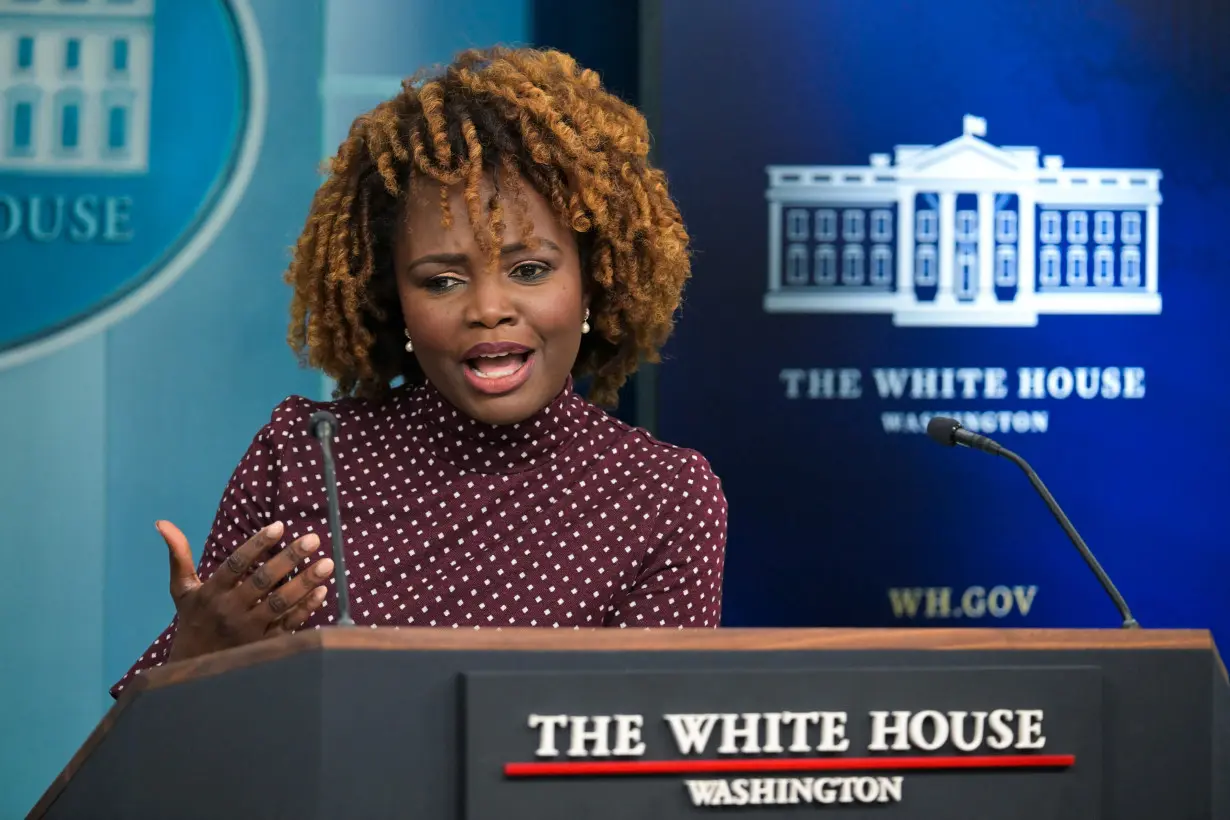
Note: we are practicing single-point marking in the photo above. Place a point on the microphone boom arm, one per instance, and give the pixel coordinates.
(324, 425)
(1129, 622)
(950, 433)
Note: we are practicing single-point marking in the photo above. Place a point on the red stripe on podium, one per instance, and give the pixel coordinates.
(811, 764)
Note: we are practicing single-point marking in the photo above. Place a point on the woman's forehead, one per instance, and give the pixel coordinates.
(523, 208)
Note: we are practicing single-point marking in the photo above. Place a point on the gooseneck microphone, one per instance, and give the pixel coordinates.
(324, 427)
(950, 433)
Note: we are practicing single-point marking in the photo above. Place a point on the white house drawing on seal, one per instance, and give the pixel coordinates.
(963, 234)
(75, 83)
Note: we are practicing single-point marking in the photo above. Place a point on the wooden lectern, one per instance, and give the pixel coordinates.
(361, 723)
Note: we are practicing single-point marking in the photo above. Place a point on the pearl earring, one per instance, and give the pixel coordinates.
(585, 322)
(409, 344)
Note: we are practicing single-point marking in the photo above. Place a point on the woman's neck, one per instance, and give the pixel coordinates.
(490, 448)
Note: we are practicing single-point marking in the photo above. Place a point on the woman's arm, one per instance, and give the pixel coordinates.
(680, 580)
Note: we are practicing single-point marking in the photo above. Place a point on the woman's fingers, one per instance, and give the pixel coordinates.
(281, 600)
(267, 577)
(298, 615)
(183, 569)
(241, 560)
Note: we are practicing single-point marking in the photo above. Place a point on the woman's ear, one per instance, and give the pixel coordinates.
(585, 249)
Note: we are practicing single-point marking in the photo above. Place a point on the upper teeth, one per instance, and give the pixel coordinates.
(492, 355)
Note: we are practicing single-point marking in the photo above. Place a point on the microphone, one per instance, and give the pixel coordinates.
(950, 433)
(323, 425)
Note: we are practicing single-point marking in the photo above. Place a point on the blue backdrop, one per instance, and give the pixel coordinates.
(140, 406)
(1008, 211)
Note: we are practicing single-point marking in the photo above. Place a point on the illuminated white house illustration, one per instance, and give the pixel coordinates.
(75, 80)
(964, 233)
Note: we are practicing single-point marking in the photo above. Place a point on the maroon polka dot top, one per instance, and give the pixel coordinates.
(568, 519)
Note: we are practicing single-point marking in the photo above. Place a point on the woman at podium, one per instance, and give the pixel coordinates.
(483, 238)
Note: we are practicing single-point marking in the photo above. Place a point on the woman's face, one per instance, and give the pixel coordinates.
(497, 343)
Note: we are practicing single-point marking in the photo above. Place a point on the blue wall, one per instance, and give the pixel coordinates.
(147, 418)
(837, 519)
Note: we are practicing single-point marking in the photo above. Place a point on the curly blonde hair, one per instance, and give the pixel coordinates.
(513, 114)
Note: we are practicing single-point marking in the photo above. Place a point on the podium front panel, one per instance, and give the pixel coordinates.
(325, 732)
(918, 743)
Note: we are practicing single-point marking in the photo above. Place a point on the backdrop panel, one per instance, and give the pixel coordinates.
(157, 158)
(1007, 212)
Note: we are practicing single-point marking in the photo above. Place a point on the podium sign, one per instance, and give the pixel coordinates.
(1000, 743)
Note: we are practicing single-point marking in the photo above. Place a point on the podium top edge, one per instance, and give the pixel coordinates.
(522, 639)
(538, 639)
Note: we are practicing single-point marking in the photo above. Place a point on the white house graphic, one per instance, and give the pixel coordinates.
(964, 233)
(75, 78)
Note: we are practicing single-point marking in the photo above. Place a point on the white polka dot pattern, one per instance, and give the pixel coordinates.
(569, 519)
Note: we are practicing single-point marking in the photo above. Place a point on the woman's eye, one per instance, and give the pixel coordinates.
(530, 271)
(440, 284)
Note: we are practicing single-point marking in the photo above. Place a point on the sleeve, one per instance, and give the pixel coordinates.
(680, 580)
(248, 504)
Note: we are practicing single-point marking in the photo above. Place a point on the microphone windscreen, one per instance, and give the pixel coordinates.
(943, 430)
(323, 420)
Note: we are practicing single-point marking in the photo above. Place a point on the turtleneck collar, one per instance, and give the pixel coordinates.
(475, 446)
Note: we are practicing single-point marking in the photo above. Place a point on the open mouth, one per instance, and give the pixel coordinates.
(497, 366)
(499, 371)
